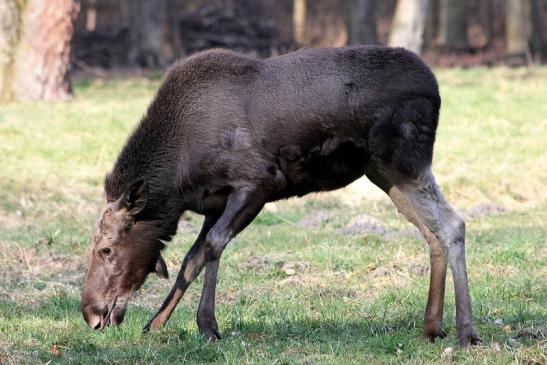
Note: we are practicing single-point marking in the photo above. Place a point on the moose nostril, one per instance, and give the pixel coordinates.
(93, 319)
(97, 326)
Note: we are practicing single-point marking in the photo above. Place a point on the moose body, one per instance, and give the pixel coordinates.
(226, 134)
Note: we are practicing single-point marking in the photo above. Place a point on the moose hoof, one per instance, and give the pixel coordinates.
(151, 326)
(431, 334)
(211, 334)
(209, 329)
(146, 328)
(468, 336)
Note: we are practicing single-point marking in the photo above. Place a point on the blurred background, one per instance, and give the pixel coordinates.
(43, 42)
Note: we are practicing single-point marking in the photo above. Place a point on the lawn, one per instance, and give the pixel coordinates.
(330, 279)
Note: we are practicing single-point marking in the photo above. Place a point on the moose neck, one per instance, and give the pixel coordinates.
(151, 152)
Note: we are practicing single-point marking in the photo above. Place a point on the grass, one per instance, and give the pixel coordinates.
(293, 289)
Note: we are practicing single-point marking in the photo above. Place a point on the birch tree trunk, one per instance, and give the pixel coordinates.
(519, 26)
(299, 21)
(407, 28)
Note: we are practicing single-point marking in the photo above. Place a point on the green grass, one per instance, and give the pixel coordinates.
(355, 298)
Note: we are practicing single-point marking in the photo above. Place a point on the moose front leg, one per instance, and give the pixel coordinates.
(191, 266)
(243, 206)
(206, 319)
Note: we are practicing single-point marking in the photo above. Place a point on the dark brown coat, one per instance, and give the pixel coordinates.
(227, 133)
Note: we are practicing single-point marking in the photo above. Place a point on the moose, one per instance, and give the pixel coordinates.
(227, 133)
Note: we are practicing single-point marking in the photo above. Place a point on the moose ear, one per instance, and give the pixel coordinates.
(161, 268)
(134, 199)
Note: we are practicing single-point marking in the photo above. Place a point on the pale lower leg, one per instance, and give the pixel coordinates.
(449, 228)
(434, 310)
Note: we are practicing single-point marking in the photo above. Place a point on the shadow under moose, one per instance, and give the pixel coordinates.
(225, 134)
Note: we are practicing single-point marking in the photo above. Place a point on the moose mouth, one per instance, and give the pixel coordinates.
(111, 315)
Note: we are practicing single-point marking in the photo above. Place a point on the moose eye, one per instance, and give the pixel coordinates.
(105, 251)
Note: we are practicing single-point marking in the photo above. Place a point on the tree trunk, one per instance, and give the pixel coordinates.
(539, 44)
(10, 27)
(453, 25)
(432, 24)
(35, 36)
(407, 28)
(153, 32)
(487, 16)
(361, 22)
(299, 21)
(519, 27)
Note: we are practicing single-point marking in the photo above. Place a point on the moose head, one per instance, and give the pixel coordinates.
(124, 250)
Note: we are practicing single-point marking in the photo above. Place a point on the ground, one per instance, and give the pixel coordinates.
(331, 279)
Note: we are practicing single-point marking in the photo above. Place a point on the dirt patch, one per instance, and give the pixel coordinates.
(291, 268)
(483, 210)
(383, 271)
(418, 269)
(364, 224)
(314, 221)
(254, 263)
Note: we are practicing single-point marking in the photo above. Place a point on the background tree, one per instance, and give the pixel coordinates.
(453, 25)
(361, 22)
(266, 27)
(154, 36)
(519, 27)
(539, 44)
(35, 48)
(407, 29)
(432, 23)
(299, 21)
(9, 34)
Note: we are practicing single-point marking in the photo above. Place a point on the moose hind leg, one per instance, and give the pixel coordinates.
(449, 228)
(435, 302)
(434, 310)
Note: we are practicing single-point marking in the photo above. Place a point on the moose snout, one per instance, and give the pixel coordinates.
(98, 316)
(95, 316)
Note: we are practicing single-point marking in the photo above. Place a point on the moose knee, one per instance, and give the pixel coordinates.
(457, 234)
(454, 241)
(214, 244)
(451, 232)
